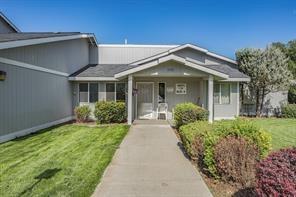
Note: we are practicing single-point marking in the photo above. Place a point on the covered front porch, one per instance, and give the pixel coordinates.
(149, 93)
(170, 82)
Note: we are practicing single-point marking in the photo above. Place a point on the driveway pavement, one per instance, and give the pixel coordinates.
(149, 163)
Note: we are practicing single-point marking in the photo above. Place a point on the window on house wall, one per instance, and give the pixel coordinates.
(161, 93)
(120, 91)
(222, 93)
(83, 92)
(110, 91)
(93, 92)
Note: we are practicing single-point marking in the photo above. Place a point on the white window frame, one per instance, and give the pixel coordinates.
(220, 94)
(88, 91)
(177, 84)
(115, 92)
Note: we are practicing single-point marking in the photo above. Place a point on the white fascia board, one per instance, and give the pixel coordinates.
(190, 46)
(9, 22)
(31, 67)
(238, 79)
(206, 70)
(221, 57)
(150, 58)
(137, 69)
(19, 43)
(138, 45)
(92, 79)
(175, 58)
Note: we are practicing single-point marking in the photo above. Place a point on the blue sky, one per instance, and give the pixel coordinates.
(220, 26)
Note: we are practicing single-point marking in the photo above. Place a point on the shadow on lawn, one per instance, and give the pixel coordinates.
(46, 174)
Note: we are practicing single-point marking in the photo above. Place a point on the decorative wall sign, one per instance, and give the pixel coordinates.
(181, 88)
(170, 89)
(2, 75)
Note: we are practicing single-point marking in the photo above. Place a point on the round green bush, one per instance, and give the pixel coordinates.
(289, 111)
(82, 113)
(110, 112)
(185, 113)
(192, 136)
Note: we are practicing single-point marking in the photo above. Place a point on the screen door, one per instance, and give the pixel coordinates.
(145, 100)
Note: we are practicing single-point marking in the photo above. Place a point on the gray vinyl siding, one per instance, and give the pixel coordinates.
(127, 54)
(228, 110)
(30, 98)
(5, 27)
(65, 56)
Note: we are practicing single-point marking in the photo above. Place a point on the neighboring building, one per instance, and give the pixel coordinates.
(48, 74)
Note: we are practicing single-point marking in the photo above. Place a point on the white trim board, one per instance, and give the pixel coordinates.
(18, 43)
(180, 47)
(224, 118)
(31, 66)
(24, 132)
(92, 79)
(138, 45)
(181, 60)
(9, 22)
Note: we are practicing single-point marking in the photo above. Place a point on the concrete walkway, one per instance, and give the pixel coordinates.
(149, 163)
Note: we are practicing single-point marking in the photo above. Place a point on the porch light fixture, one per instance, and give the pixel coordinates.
(153, 74)
(186, 74)
(2, 75)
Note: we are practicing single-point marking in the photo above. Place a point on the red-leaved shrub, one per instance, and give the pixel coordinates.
(276, 175)
(236, 160)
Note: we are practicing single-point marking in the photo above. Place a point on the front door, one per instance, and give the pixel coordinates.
(145, 100)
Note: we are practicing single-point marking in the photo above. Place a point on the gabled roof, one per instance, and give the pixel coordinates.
(171, 57)
(9, 22)
(180, 47)
(11, 40)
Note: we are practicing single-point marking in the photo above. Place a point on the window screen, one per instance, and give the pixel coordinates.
(93, 92)
(225, 93)
(110, 91)
(120, 92)
(83, 92)
(217, 93)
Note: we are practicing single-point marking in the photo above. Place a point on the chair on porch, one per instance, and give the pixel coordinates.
(162, 108)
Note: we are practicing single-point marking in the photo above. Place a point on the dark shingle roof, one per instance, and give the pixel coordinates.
(229, 70)
(7, 37)
(101, 70)
(109, 70)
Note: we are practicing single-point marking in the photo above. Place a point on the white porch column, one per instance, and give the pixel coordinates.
(130, 100)
(210, 97)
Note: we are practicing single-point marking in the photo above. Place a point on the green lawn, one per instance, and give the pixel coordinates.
(283, 131)
(67, 160)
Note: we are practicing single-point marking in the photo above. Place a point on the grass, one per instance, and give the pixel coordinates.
(283, 131)
(66, 160)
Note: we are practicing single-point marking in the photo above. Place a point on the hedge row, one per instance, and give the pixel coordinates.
(228, 149)
(105, 112)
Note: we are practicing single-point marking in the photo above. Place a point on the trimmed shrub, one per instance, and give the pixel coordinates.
(276, 175)
(82, 113)
(237, 128)
(236, 160)
(185, 113)
(289, 111)
(192, 136)
(292, 94)
(110, 112)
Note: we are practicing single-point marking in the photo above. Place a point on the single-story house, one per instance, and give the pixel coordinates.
(43, 76)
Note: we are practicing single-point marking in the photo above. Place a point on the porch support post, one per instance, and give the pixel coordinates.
(210, 97)
(130, 100)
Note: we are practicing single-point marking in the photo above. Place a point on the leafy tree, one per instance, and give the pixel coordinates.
(268, 70)
(290, 50)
